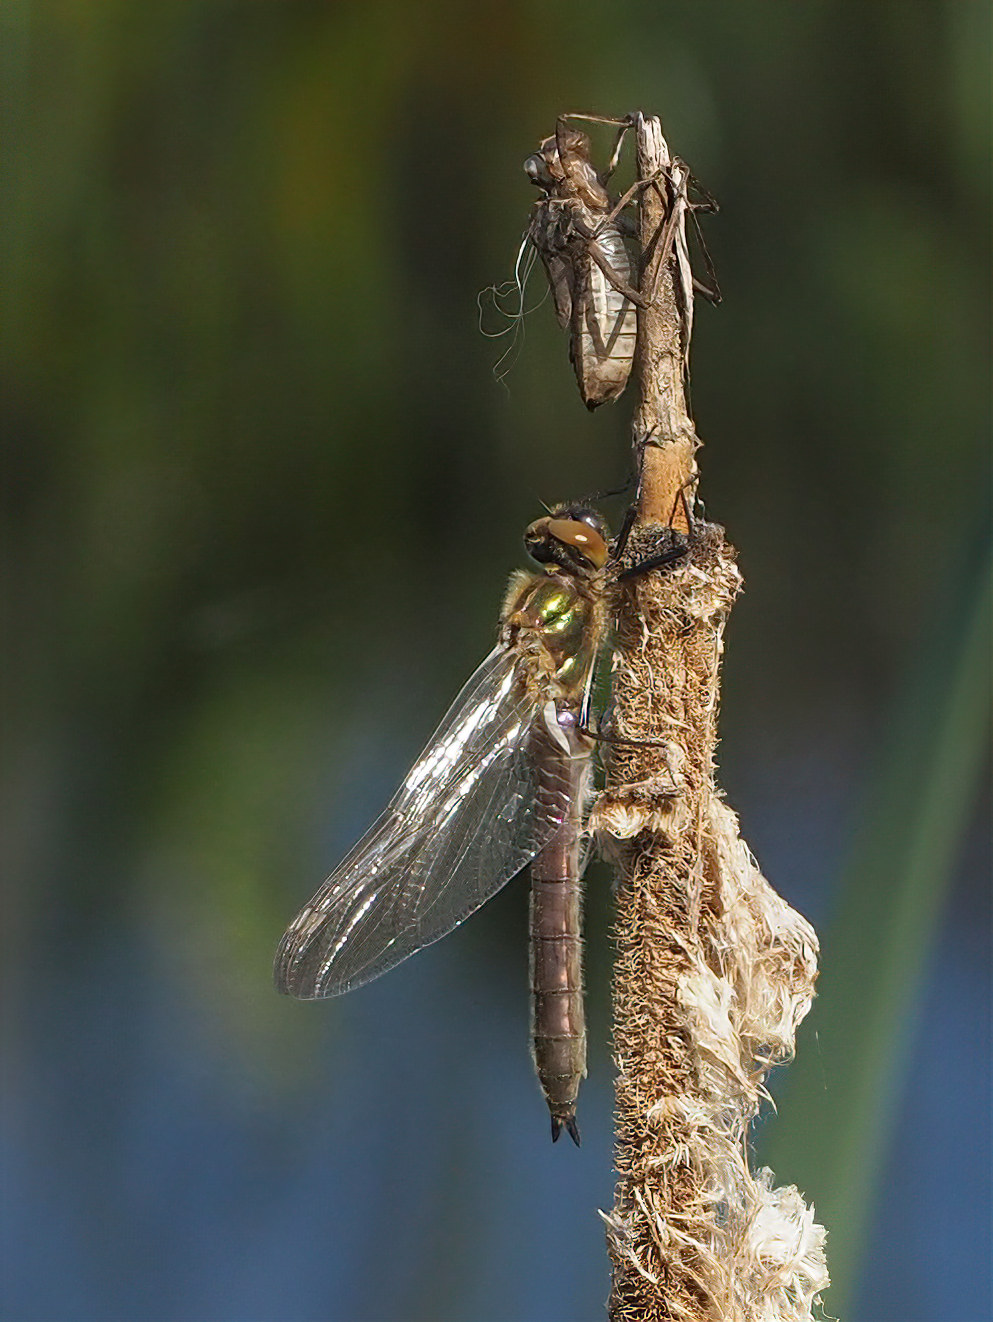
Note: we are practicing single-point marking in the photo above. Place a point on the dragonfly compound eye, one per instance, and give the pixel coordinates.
(537, 170)
(580, 537)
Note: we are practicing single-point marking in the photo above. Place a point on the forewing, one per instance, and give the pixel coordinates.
(464, 821)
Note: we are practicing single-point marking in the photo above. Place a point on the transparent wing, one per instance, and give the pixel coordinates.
(466, 819)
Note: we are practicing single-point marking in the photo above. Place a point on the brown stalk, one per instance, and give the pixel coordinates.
(713, 970)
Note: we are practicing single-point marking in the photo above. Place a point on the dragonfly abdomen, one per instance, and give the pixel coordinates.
(605, 324)
(558, 1021)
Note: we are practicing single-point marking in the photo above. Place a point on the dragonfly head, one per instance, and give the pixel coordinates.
(561, 167)
(549, 165)
(538, 169)
(571, 536)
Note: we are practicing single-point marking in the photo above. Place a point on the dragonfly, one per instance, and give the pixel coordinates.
(503, 783)
(576, 229)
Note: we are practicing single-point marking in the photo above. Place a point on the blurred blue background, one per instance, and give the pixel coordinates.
(261, 496)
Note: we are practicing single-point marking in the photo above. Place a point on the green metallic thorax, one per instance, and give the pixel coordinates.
(562, 615)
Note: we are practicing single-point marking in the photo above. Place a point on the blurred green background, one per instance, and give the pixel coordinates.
(261, 494)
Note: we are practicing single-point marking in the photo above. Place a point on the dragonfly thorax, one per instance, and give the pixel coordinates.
(560, 616)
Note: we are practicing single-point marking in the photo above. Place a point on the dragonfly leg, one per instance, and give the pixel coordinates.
(711, 295)
(596, 496)
(602, 738)
(623, 126)
(631, 513)
(638, 299)
(663, 239)
(663, 236)
(676, 207)
(654, 562)
(626, 123)
(615, 155)
(711, 292)
(672, 553)
(614, 214)
(680, 204)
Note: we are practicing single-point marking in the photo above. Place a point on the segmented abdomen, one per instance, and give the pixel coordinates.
(557, 1012)
(604, 324)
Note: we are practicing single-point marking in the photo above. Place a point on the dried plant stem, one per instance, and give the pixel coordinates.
(661, 418)
(714, 971)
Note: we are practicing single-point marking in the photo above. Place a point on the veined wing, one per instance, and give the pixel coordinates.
(465, 820)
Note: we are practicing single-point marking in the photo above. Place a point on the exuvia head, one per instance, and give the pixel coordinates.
(546, 167)
(562, 167)
(538, 169)
(573, 537)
